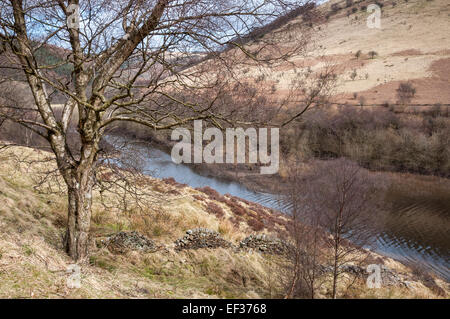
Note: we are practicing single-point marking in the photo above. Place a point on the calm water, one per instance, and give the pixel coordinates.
(413, 230)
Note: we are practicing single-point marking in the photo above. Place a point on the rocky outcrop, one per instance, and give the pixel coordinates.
(389, 277)
(125, 241)
(201, 238)
(266, 244)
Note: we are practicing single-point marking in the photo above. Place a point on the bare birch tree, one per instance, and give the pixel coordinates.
(344, 198)
(306, 233)
(121, 62)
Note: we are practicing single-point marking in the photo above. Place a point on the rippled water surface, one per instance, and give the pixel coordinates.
(418, 231)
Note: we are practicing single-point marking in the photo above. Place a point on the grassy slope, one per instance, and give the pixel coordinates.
(33, 263)
(412, 44)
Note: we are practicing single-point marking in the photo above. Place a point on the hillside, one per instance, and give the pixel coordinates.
(34, 265)
(412, 45)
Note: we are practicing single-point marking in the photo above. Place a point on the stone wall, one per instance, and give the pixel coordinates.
(266, 244)
(122, 242)
(201, 238)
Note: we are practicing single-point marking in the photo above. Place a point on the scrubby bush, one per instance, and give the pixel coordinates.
(362, 100)
(372, 54)
(255, 224)
(212, 193)
(335, 7)
(215, 209)
(198, 197)
(171, 181)
(405, 92)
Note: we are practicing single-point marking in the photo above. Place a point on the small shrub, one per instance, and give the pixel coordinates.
(274, 88)
(236, 208)
(212, 194)
(405, 92)
(198, 197)
(235, 220)
(171, 181)
(358, 54)
(255, 224)
(435, 110)
(424, 276)
(260, 78)
(362, 100)
(335, 7)
(173, 192)
(215, 209)
(373, 54)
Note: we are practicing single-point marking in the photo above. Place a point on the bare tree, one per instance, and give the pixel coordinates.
(405, 92)
(121, 63)
(307, 235)
(343, 198)
(372, 54)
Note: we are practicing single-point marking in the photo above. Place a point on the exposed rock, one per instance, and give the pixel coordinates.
(389, 277)
(201, 238)
(266, 244)
(124, 241)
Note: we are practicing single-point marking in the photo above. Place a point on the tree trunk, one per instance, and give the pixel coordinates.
(334, 279)
(79, 217)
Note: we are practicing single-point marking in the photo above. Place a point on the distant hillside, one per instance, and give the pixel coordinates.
(412, 45)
